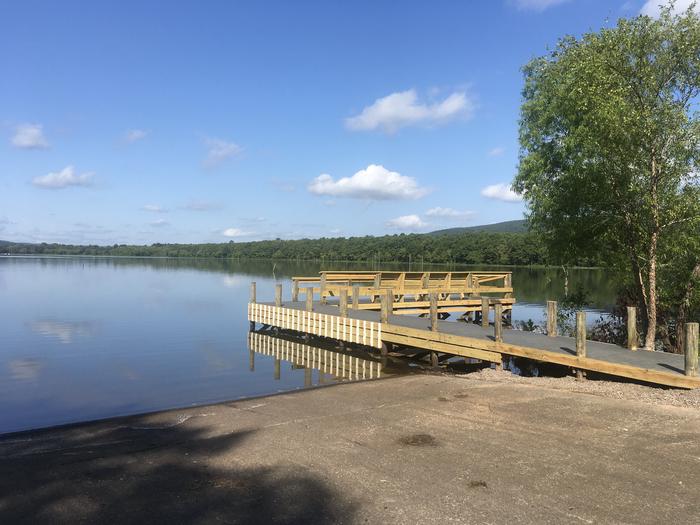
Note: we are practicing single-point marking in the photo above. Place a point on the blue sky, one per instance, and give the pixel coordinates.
(140, 122)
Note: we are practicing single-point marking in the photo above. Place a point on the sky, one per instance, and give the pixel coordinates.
(141, 122)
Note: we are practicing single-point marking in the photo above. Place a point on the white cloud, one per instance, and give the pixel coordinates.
(653, 9)
(155, 208)
(402, 109)
(235, 232)
(537, 5)
(501, 192)
(219, 150)
(497, 151)
(29, 136)
(407, 222)
(133, 135)
(63, 179)
(160, 222)
(450, 213)
(373, 183)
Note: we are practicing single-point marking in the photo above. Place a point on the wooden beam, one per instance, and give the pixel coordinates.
(343, 302)
(690, 348)
(295, 291)
(355, 297)
(580, 340)
(278, 295)
(498, 322)
(433, 312)
(632, 338)
(309, 300)
(485, 312)
(551, 318)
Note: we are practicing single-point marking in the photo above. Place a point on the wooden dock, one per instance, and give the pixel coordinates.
(490, 342)
(410, 291)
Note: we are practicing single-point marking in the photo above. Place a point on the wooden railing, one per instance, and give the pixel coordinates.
(412, 284)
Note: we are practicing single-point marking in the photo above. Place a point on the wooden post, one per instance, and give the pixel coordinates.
(355, 297)
(251, 360)
(632, 339)
(434, 361)
(387, 303)
(295, 291)
(690, 348)
(252, 300)
(580, 339)
(485, 312)
(310, 299)
(343, 302)
(278, 295)
(277, 369)
(498, 322)
(323, 288)
(433, 312)
(551, 318)
(378, 281)
(384, 313)
(307, 377)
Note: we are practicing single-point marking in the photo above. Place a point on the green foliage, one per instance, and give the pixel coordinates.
(610, 145)
(465, 248)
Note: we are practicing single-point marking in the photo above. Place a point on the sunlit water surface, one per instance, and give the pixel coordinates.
(86, 338)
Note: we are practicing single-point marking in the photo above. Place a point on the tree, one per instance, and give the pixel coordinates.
(610, 147)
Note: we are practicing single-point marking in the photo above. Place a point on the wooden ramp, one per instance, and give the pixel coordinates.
(364, 327)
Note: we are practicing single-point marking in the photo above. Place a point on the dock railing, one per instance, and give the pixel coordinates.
(412, 284)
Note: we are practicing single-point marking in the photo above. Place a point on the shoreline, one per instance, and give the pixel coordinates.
(420, 448)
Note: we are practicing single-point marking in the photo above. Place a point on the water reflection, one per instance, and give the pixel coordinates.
(331, 364)
(64, 331)
(24, 369)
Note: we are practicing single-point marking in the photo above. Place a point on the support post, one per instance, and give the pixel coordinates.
(485, 301)
(343, 302)
(690, 348)
(252, 301)
(277, 369)
(433, 312)
(323, 289)
(309, 299)
(355, 297)
(434, 361)
(632, 339)
(278, 295)
(295, 291)
(307, 377)
(251, 360)
(551, 318)
(387, 304)
(580, 340)
(498, 322)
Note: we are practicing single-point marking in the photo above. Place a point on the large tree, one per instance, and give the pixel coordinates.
(610, 142)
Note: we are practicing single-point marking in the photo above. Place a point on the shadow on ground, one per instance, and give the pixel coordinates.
(132, 474)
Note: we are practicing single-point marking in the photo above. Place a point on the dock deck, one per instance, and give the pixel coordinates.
(471, 340)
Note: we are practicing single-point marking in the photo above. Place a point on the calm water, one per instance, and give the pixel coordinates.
(86, 338)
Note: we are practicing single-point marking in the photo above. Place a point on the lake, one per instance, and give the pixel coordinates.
(88, 338)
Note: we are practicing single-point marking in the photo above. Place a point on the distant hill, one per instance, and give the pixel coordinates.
(517, 226)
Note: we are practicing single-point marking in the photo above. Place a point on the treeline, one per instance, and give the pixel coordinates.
(463, 248)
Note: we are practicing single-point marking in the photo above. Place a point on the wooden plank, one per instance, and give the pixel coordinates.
(463, 351)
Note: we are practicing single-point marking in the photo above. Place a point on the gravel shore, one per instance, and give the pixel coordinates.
(655, 395)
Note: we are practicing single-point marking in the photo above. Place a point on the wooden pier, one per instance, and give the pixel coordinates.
(488, 341)
(457, 291)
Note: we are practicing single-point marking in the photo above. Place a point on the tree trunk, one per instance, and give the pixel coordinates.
(651, 306)
(653, 242)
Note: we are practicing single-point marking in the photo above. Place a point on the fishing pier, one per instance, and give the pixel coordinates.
(371, 310)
